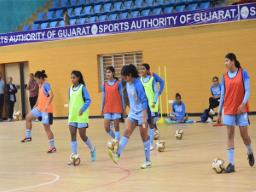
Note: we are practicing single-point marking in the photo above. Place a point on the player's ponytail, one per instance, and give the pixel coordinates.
(41, 74)
(232, 57)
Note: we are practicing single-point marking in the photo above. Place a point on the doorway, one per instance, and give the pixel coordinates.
(20, 74)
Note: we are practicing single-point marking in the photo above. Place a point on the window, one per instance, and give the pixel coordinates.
(118, 60)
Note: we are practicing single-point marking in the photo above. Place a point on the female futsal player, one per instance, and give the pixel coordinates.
(78, 118)
(159, 81)
(137, 115)
(112, 102)
(235, 92)
(43, 110)
(151, 90)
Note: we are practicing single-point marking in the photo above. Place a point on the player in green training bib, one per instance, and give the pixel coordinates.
(151, 90)
(78, 117)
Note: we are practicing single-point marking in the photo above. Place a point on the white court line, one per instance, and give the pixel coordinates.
(56, 178)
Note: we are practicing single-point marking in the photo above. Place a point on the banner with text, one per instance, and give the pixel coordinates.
(198, 17)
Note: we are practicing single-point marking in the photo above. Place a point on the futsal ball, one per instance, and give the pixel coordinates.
(218, 165)
(179, 134)
(113, 145)
(17, 116)
(160, 145)
(75, 159)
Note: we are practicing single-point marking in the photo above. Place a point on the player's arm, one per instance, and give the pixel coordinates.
(49, 91)
(87, 101)
(161, 83)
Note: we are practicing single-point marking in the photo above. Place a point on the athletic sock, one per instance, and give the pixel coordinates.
(231, 153)
(28, 133)
(122, 144)
(111, 133)
(249, 149)
(74, 147)
(147, 150)
(151, 136)
(117, 135)
(51, 143)
(89, 144)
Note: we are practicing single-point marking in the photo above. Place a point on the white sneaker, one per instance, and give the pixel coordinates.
(209, 120)
(146, 164)
(211, 112)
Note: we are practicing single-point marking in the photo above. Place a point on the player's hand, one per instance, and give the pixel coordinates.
(46, 108)
(81, 112)
(219, 119)
(241, 108)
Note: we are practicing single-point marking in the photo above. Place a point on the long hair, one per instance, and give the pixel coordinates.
(232, 57)
(128, 70)
(79, 75)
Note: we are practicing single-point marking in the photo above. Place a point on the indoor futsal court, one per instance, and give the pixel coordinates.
(184, 166)
(127, 95)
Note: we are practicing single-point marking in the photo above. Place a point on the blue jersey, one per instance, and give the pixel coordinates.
(179, 110)
(161, 83)
(137, 96)
(216, 90)
(47, 88)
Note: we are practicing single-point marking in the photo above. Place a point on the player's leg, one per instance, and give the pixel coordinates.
(230, 149)
(47, 120)
(130, 125)
(146, 141)
(243, 122)
(73, 132)
(117, 128)
(82, 132)
(109, 131)
(29, 118)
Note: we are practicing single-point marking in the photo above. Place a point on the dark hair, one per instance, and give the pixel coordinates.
(177, 95)
(40, 74)
(147, 66)
(215, 78)
(129, 70)
(112, 69)
(79, 75)
(232, 57)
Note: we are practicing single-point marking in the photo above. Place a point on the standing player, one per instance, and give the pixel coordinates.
(235, 92)
(160, 81)
(78, 117)
(151, 89)
(43, 110)
(112, 99)
(137, 115)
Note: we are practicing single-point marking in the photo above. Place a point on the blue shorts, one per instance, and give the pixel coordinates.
(79, 125)
(137, 118)
(239, 120)
(45, 118)
(112, 116)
